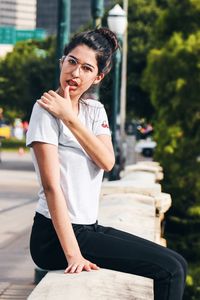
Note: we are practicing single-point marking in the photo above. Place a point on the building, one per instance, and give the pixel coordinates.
(20, 14)
(46, 16)
(17, 23)
(47, 11)
(20, 18)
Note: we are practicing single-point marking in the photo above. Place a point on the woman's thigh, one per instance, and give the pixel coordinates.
(117, 250)
(151, 245)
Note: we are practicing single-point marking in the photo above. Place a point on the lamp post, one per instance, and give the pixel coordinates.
(97, 10)
(117, 22)
(63, 32)
(124, 76)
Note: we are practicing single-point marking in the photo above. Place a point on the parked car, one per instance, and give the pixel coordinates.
(146, 147)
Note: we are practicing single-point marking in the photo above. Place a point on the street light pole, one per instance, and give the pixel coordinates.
(114, 113)
(117, 22)
(63, 32)
(97, 10)
(123, 76)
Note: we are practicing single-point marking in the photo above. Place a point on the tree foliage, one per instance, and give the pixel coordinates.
(178, 16)
(142, 16)
(25, 73)
(172, 80)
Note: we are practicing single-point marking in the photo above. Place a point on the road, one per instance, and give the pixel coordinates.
(18, 193)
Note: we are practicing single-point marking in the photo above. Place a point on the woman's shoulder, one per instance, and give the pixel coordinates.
(40, 112)
(41, 117)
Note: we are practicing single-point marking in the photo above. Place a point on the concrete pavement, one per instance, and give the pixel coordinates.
(18, 194)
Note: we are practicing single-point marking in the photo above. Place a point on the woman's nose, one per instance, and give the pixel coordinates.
(76, 71)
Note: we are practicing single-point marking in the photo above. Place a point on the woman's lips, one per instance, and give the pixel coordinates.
(72, 82)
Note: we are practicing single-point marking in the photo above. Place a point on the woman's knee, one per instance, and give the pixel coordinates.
(174, 266)
(182, 262)
(179, 270)
(184, 265)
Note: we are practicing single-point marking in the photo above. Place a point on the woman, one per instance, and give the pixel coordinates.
(71, 146)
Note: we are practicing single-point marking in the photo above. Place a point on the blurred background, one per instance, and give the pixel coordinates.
(151, 96)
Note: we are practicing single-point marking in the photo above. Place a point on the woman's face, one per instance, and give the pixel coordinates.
(79, 71)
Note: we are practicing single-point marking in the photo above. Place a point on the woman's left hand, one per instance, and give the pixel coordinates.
(56, 105)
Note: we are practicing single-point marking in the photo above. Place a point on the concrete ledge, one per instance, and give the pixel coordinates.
(138, 176)
(149, 163)
(129, 186)
(127, 212)
(163, 202)
(142, 166)
(94, 285)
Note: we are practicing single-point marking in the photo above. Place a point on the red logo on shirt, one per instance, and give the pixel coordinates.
(105, 124)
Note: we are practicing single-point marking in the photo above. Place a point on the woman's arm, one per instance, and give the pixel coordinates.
(48, 162)
(99, 148)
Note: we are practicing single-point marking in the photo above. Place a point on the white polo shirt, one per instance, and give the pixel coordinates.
(80, 177)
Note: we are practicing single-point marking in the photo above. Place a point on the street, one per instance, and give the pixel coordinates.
(18, 194)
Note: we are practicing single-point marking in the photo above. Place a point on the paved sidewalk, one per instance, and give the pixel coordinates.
(18, 192)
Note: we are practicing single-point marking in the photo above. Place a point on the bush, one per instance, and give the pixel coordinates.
(13, 143)
(192, 291)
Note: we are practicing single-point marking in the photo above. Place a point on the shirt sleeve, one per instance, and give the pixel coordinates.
(43, 127)
(101, 124)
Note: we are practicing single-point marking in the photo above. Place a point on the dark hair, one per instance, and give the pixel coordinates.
(103, 41)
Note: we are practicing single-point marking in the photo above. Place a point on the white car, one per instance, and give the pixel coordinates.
(145, 147)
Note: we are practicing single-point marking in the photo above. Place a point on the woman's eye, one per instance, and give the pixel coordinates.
(87, 69)
(72, 61)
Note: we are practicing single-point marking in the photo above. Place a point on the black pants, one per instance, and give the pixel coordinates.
(113, 249)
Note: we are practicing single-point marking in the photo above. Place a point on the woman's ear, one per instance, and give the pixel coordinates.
(98, 78)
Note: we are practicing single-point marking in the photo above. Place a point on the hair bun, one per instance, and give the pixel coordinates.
(110, 36)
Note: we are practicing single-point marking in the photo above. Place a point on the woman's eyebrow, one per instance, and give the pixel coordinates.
(77, 61)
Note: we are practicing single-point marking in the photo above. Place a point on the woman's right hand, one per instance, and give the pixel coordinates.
(78, 264)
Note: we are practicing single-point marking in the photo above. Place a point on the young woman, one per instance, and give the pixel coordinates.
(71, 146)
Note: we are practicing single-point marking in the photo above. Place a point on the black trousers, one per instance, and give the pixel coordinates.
(113, 249)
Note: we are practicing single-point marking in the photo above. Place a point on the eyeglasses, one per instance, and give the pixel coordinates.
(61, 60)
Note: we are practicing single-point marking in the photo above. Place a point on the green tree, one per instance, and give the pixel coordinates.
(25, 73)
(172, 79)
(142, 17)
(177, 16)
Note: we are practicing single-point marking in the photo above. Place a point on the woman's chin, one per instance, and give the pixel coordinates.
(74, 93)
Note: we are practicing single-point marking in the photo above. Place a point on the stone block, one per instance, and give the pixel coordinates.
(94, 285)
